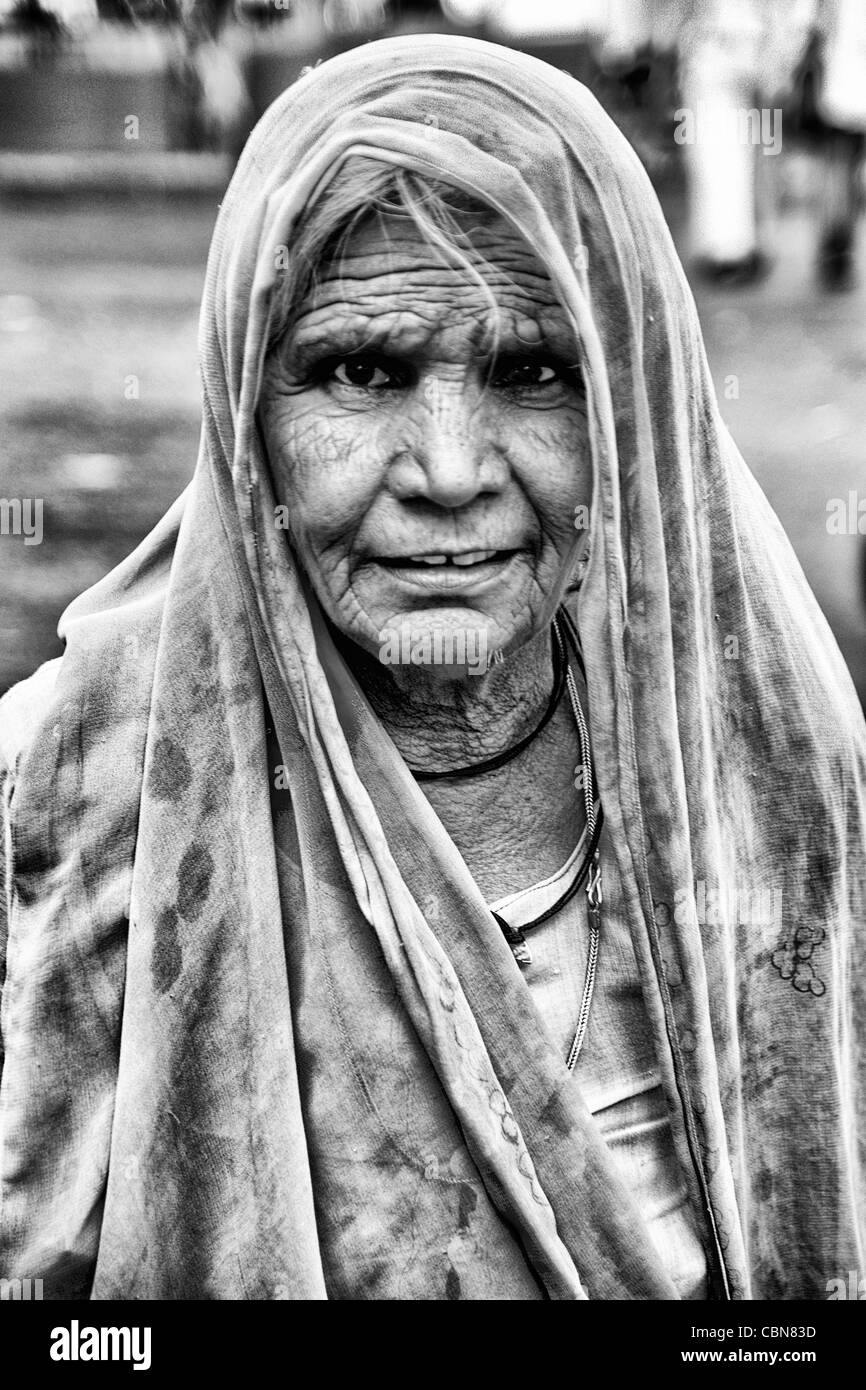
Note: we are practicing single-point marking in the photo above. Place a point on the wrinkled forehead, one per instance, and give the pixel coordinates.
(386, 283)
(532, 142)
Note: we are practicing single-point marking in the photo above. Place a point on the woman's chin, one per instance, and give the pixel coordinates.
(500, 615)
(448, 639)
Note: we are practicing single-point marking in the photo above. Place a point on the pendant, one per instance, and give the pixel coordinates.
(516, 940)
(521, 953)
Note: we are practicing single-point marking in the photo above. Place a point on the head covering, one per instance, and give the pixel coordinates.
(160, 1117)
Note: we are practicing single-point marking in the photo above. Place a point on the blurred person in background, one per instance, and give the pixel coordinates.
(749, 71)
(733, 57)
(830, 111)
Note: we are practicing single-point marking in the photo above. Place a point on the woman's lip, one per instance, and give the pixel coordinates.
(450, 579)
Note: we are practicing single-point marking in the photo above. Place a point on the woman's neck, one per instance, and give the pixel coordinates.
(439, 723)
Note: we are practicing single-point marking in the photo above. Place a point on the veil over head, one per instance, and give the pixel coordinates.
(161, 1111)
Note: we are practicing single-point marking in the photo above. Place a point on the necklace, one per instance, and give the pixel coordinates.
(589, 872)
(593, 882)
(560, 662)
(590, 869)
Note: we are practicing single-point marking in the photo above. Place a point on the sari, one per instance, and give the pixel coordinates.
(189, 1026)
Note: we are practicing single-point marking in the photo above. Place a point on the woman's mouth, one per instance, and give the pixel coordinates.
(464, 557)
(439, 570)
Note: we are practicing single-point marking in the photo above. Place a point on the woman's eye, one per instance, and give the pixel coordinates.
(525, 372)
(364, 372)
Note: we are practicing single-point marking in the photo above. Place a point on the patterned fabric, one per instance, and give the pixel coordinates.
(160, 1120)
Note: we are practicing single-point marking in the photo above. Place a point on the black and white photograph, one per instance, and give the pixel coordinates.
(432, 663)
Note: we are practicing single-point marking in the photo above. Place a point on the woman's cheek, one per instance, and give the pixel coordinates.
(550, 456)
(328, 471)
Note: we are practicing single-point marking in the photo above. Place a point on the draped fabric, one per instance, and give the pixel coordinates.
(168, 972)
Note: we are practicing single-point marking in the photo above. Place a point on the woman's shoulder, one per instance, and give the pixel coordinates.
(22, 711)
(74, 732)
(72, 747)
(95, 698)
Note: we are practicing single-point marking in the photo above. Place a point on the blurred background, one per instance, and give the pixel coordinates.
(121, 120)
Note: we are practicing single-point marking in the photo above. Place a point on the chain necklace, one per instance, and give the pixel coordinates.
(590, 870)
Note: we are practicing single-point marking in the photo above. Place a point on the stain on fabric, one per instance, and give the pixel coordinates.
(468, 1203)
(167, 956)
(170, 771)
(193, 881)
(452, 1284)
(35, 861)
(765, 1185)
(555, 1113)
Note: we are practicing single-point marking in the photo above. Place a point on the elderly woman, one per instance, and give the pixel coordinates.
(433, 869)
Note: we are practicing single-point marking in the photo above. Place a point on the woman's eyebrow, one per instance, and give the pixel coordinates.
(346, 334)
(392, 335)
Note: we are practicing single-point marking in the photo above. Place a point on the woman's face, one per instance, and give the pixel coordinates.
(429, 482)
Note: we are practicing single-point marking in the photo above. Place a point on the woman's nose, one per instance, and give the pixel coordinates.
(449, 457)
